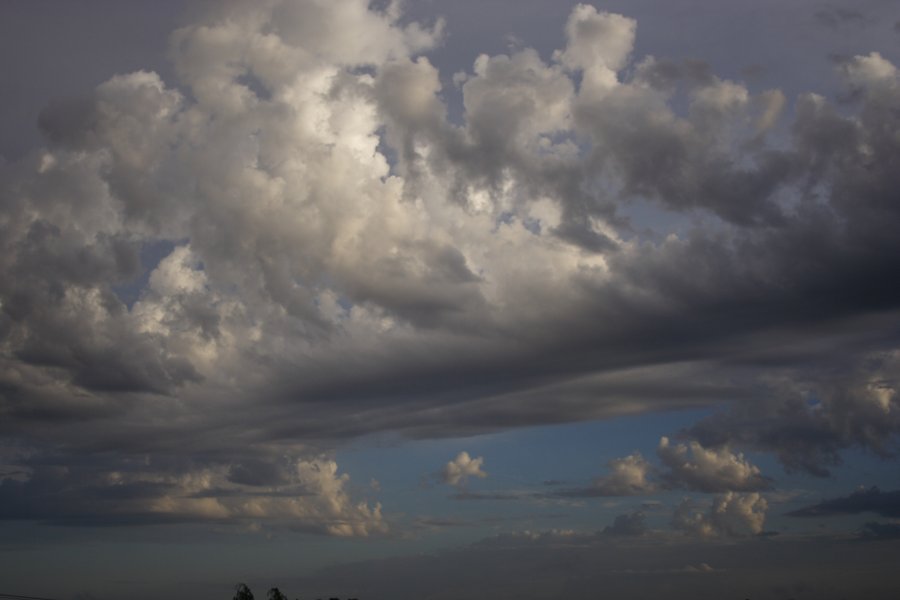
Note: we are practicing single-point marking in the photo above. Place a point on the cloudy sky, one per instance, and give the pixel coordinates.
(446, 299)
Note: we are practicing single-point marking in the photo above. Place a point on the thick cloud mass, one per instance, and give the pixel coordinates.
(886, 504)
(731, 514)
(696, 467)
(342, 258)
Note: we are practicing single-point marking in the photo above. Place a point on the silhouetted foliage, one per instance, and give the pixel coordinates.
(275, 594)
(242, 592)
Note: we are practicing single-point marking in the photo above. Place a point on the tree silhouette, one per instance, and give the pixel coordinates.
(242, 592)
(275, 594)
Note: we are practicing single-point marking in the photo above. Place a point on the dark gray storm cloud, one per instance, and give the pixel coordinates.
(872, 500)
(599, 234)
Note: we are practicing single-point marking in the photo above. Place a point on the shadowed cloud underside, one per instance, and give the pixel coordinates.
(311, 236)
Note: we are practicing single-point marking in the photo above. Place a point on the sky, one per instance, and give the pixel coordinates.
(442, 300)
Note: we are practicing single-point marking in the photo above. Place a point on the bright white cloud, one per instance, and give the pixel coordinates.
(708, 469)
(628, 476)
(458, 470)
(731, 514)
(598, 44)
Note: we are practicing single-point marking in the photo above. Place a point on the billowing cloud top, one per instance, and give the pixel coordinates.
(207, 284)
(458, 470)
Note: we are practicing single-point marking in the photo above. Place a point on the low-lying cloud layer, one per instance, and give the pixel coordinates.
(206, 284)
(549, 564)
(873, 500)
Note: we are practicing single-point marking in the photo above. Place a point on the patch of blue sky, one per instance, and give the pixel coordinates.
(529, 455)
(151, 253)
(523, 462)
(519, 462)
(651, 223)
(253, 83)
(390, 154)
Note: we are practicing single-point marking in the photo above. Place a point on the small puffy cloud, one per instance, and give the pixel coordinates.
(458, 470)
(628, 476)
(870, 71)
(599, 44)
(597, 39)
(633, 524)
(694, 467)
(731, 515)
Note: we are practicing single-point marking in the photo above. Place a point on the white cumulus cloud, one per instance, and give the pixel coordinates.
(708, 469)
(731, 515)
(458, 470)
